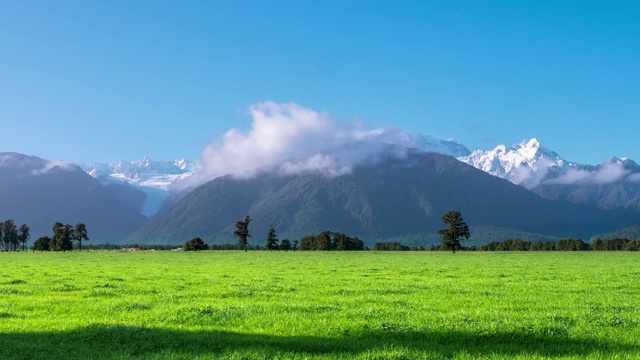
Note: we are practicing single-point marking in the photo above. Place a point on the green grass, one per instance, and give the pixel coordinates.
(410, 305)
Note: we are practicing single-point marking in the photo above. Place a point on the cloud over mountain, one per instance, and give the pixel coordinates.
(605, 173)
(291, 139)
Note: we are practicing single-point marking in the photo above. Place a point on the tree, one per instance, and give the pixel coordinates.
(23, 235)
(42, 244)
(457, 229)
(61, 240)
(242, 232)
(9, 235)
(295, 245)
(285, 245)
(79, 234)
(195, 244)
(322, 242)
(272, 240)
(306, 243)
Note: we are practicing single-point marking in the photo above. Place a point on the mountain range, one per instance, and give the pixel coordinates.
(39, 193)
(394, 198)
(612, 184)
(525, 190)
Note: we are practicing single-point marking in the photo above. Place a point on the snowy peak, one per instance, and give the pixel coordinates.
(154, 178)
(145, 172)
(526, 163)
(626, 163)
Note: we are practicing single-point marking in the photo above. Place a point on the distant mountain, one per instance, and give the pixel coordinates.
(147, 181)
(40, 192)
(630, 232)
(146, 185)
(393, 199)
(612, 184)
(526, 164)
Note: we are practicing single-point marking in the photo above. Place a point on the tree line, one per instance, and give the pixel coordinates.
(325, 241)
(12, 236)
(62, 239)
(562, 245)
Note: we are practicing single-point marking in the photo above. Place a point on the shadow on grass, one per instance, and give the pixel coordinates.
(104, 341)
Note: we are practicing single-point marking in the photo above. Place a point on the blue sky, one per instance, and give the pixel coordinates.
(96, 81)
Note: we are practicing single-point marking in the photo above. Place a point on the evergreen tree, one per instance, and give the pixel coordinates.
(79, 234)
(272, 240)
(457, 229)
(294, 247)
(242, 232)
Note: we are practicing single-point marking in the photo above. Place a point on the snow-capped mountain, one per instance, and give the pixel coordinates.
(612, 184)
(154, 178)
(530, 164)
(527, 164)
(145, 172)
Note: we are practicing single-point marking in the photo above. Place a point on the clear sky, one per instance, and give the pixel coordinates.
(96, 81)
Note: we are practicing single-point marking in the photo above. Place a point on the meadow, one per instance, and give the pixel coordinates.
(319, 305)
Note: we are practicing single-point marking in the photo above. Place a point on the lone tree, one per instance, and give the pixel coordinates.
(272, 240)
(79, 234)
(242, 231)
(457, 229)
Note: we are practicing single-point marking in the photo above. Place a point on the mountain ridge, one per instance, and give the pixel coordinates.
(387, 200)
(39, 192)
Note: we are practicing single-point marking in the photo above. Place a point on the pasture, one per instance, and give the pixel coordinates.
(319, 305)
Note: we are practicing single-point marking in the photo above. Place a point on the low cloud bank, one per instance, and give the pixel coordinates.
(605, 173)
(291, 139)
(56, 165)
(531, 178)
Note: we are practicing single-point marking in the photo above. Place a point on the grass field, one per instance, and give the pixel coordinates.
(366, 305)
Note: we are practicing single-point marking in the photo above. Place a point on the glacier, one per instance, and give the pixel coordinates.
(154, 178)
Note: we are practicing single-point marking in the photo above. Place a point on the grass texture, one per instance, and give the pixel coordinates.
(319, 305)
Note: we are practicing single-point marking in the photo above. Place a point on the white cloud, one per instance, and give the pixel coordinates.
(634, 177)
(57, 165)
(291, 139)
(529, 178)
(605, 173)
